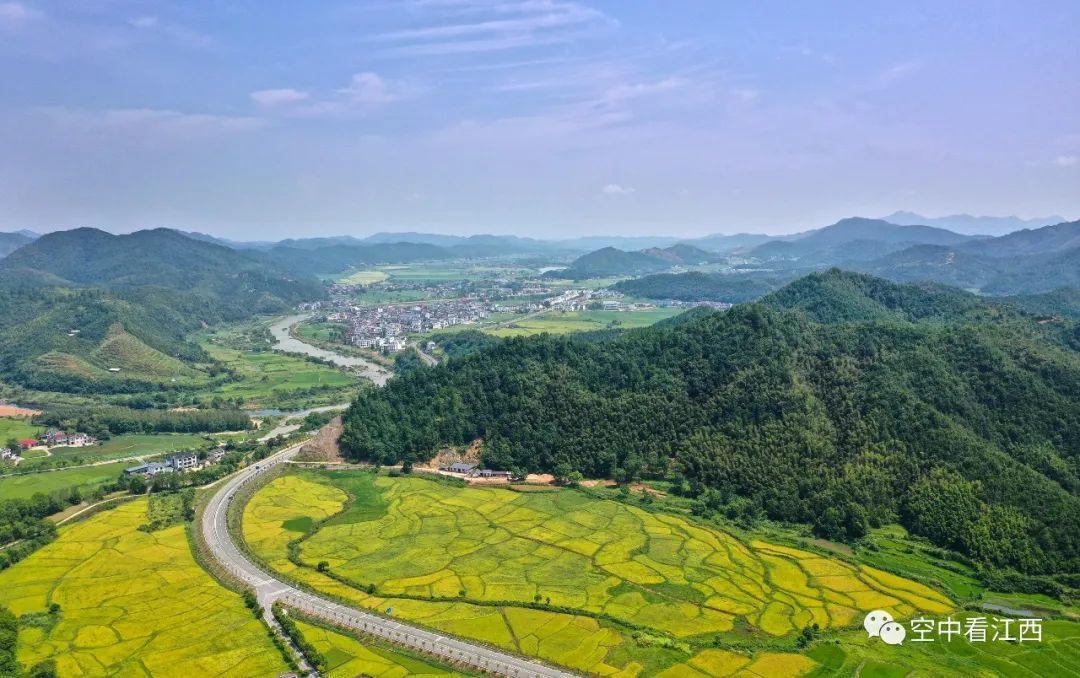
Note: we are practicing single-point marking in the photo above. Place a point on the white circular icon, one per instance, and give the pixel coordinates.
(874, 620)
(892, 633)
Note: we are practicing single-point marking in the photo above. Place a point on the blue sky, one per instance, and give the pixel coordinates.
(271, 118)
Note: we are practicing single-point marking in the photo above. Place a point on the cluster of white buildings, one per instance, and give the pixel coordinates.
(181, 461)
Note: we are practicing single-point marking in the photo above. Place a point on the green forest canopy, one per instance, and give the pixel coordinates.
(841, 400)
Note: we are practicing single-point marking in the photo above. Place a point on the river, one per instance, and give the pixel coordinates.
(285, 342)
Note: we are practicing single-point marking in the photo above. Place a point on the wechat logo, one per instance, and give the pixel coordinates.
(881, 624)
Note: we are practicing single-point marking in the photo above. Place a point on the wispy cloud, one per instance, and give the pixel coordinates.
(617, 189)
(15, 15)
(492, 25)
(147, 126)
(364, 92)
(371, 88)
(1066, 160)
(273, 98)
(171, 31)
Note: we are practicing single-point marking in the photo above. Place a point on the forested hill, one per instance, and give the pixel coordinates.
(905, 405)
(161, 258)
(74, 304)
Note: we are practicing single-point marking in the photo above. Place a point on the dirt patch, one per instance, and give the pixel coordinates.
(448, 456)
(598, 483)
(324, 446)
(638, 487)
(13, 411)
(540, 478)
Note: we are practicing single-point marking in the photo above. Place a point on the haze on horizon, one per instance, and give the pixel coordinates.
(544, 118)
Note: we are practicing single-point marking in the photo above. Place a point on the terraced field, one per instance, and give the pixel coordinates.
(133, 603)
(655, 570)
(470, 560)
(347, 657)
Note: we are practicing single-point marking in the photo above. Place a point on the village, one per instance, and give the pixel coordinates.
(388, 327)
(179, 462)
(48, 440)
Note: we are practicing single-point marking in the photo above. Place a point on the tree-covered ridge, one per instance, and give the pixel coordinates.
(902, 396)
(76, 304)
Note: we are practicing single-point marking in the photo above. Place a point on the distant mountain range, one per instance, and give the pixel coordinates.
(971, 225)
(1030, 261)
(9, 242)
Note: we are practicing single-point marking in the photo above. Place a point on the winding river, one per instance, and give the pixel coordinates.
(284, 341)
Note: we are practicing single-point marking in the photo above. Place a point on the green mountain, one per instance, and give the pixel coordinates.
(1026, 262)
(853, 239)
(612, 262)
(9, 242)
(732, 288)
(842, 401)
(87, 311)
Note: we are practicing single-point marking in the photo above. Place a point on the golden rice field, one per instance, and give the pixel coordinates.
(654, 570)
(494, 549)
(347, 657)
(133, 604)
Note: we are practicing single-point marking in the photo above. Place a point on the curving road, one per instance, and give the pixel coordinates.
(269, 589)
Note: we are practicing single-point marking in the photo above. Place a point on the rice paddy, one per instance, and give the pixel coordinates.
(602, 557)
(133, 603)
(472, 561)
(347, 657)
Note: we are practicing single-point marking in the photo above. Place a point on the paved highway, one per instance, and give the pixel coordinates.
(269, 589)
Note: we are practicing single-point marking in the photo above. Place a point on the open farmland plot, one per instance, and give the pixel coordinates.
(268, 377)
(564, 322)
(17, 428)
(469, 560)
(86, 477)
(123, 446)
(601, 557)
(347, 657)
(134, 603)
(288, 507)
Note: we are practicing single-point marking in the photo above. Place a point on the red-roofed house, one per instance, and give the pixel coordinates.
(27, 443)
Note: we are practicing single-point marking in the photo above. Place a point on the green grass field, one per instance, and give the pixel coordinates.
(563, 322)
(269, 378)
(364, 278)
(133, 603)
(123, 446)
(467, 560)
(444, 271)
(17, 428)
(347, 657)
(86, 478)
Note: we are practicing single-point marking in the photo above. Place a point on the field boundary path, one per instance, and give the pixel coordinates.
(269, 589)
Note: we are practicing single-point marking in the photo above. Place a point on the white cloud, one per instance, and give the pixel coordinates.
(493, 25)
(616, 189)
(1066, 160)
(370, 88)
(174, 32)
(272, 98)
(14, 15)
(145, 22)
